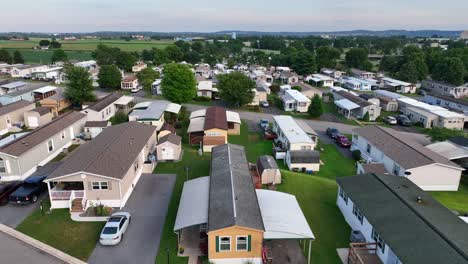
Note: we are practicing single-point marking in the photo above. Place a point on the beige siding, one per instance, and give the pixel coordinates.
(41, 120)
(270, 176)
(166, 145)
(111, 194)
(233, 232)
(301, 146)
(436, 177)
(14, 117)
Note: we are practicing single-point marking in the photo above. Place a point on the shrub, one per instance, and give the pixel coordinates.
(356, 154)
(297, 88)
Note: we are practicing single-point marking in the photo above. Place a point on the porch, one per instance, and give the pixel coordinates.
(70, 195)
(361, 253)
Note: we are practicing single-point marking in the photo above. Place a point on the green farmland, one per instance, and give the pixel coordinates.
(44, 56)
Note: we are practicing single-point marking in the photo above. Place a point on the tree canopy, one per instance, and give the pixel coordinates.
(109, 77)
(178, 84)
(236, 89)
(44, 43)
(59, 55)
(5, 56)
(358, 58)
(146, 77)
(316, 108)
(79, 86)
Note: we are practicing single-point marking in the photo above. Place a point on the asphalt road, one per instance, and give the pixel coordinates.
(13, 250)
(148, 206)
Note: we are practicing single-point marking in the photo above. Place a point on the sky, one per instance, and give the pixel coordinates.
(216, 15)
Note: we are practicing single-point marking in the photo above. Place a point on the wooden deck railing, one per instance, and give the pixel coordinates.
(359, 253)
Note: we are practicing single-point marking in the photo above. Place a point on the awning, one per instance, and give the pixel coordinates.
(233, 117)
(124, 100)
(315, 79)
(282, 216)
(196, 125)
(193, 206)
(173, 108)
(346, 104)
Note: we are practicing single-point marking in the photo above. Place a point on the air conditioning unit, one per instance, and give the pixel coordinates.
(357, 237)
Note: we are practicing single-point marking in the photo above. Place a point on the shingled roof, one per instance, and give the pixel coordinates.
(233, 201)
(216, 118)
(104, 102)
(417, 232)
(110, 154)
(14, 106)
(41, 134)
(406, 153)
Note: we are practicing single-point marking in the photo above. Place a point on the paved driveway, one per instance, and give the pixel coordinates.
(12, 215)
(148, 205)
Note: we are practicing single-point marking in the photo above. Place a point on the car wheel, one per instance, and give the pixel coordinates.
(34, 199)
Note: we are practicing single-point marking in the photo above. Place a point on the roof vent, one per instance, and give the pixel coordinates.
(419, 199)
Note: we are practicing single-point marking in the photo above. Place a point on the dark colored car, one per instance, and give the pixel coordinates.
(403, 120)
(342, 141)
(270, 135)
(332, 132)
(6, 189)
(29, 191)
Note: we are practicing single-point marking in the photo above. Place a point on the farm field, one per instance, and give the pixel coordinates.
(44, 56)
(90, 45)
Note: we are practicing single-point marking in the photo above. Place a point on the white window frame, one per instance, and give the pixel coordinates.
(100, 185)
(52, 145)
(246, 243)
(344, 196)
(4, 167)
(358, 214)
(220, 242)
(378, 239)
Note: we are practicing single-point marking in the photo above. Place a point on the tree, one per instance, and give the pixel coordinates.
(442, 133)
(389, 64)
(44, 43)
(450, 70)
(79, 87)
(357, 58)
(197, 47)
(178, 84)
(105, 55)
(327, 57)
(59, 55)
(55, 44)
(109, 77)
(5, 56)
(409, 72)
(160, 57)
(174, 53)
(236, 89)
(17, 57)
(304, 62)
(316, 108)
(146, 77)
(125, 61)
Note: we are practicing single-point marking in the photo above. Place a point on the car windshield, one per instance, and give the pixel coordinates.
(114, 219)
(109, 230)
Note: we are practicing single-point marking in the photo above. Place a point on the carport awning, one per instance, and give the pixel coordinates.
(193, 206)
(346, 104)
(282, 216)
(173, 108)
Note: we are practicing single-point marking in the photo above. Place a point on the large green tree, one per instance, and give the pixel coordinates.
(450, 70)
(357, 58)
(178, 84)
(79, 86)
(146, 77)
(59, 55)
(304, 62)
(409, 72)
(44, 43)
(125, 61)
(109, 77)
(5, 56)
(316, 108)
(327, 57)
(17, 57)
(236, 89)
(105, 55)
(174, 53)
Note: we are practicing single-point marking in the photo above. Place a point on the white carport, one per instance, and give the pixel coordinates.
(283, 218)
(193, 206)
(173, 108)
(347, 106)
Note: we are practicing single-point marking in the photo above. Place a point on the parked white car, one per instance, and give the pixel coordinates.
(390, 120)
(113, 231)
(135, 90)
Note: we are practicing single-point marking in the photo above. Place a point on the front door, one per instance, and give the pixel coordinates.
(168, 153)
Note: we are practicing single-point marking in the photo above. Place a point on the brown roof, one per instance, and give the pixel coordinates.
(129, 78)
(111, 154)
(14, 106)
(374, 168)
(405, 152)
(215, 117)
(266, 162)
(41, 134)
(172, 138)
(96, 124)
(104, 102)
(214, 141)
(168, 127)
(42, 110)
(353, 98)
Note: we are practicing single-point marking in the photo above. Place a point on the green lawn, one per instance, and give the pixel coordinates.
(59, 231)
(457, 201)
(44, 56)
(331, 108)
(199, 166)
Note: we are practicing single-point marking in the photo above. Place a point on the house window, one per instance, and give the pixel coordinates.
(241, 243)
(100, 185)
(379, 240)
(344, 196)
(396, 169)
(102, 114)
(368, 148)
(306, 148)
(50, 145)
(358, 214)
(224, 243)
(135, 166)
(2, 166)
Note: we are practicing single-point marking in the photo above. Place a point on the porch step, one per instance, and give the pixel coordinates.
(77, 206)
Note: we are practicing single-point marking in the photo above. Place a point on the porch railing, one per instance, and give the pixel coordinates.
(60, 195)
(75, 195)
(363, 253)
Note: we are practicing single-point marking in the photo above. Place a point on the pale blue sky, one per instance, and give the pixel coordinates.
(211, 15)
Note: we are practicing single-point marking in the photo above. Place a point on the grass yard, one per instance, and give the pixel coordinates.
(90, 45)
(331, 109)
(59, 231)
(199, 166)
(455, 200)
(44, 56)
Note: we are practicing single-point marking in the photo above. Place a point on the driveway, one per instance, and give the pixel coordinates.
(12, 215)
(148, 206)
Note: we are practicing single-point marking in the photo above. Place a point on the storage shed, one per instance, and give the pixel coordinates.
(268, 170)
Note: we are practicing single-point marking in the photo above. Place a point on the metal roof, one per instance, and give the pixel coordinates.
(346, 104)
(13, 85)
(46, 89)
(282, 216)
(298, 96)
(291, 130)
(449, 150)
(153, 110)
(193, 205)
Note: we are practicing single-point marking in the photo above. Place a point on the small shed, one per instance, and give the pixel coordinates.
(268, 170)
(94, 128)
(169, 148)
(165, 130)
(37, 117)
(303, 160)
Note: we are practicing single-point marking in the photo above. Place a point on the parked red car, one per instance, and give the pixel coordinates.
(270, 135)
(342, 141)
(6, 189)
